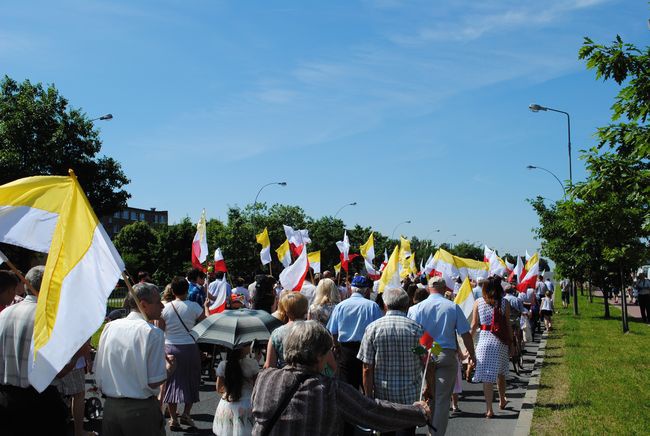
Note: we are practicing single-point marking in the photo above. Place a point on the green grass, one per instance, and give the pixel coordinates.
(595, 379)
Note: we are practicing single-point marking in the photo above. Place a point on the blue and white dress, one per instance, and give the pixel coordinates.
(491, 354)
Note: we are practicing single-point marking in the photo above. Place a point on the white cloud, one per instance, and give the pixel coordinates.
(480, 20)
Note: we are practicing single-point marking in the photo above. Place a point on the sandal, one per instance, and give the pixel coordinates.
(502, 406)
(174, 425)
(185, 419)
(489, 415)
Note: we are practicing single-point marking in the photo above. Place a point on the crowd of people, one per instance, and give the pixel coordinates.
(344, 357)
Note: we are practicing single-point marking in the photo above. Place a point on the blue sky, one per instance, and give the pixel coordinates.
(414, 109)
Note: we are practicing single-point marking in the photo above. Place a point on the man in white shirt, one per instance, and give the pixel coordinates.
(130, 366)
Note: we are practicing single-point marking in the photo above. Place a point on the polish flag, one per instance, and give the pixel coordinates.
(385, 262)
(219, 261)
(345, 264)
(219, 290)
(294, 275)
(530, 279)
(518, 270)
(297, 239)
(200, 244)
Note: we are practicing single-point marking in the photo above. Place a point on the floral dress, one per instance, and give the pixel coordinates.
(236, 418)
(491, 354)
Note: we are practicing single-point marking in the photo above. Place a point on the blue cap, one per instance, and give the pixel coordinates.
(361, 282)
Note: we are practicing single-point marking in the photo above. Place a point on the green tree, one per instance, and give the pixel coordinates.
(41, 135)
(174, 252)
(138, 243)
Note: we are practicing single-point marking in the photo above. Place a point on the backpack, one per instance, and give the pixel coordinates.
(499, 327)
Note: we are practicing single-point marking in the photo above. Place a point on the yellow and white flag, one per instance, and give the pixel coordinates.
(314, 261)
(51, 214)
(368, 249)
(284, 253)
(263, 239)
(390, 277)
(465, 298)
(449, 267)
(337, 268)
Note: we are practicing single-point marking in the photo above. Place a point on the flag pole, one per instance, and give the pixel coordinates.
(270, 269)
(127, 281)
(20, 276)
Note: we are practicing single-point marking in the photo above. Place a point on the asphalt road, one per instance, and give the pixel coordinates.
(471, 419)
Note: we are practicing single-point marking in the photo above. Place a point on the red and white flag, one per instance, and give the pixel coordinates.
(297, 239)
(518, 270)
(219, 261)
(200, 244)
(218, 289)
(530, 279)
(294, 275)
(385, 262)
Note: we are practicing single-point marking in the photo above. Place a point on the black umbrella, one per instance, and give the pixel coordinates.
(235, 328)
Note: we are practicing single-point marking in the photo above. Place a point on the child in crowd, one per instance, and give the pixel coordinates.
(235, 380)
(546, 310)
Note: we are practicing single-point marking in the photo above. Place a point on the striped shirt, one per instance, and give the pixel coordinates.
(388, 345)
(321, 404)
(16, 328)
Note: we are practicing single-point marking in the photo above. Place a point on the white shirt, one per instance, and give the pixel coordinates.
(175, 333)
(547, 304)
(16, 329)
(131, 355)
(309, 291)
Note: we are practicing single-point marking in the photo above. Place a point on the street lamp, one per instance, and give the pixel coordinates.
(103, 118)
(403, 222)
(533, 167)
(432, 231)
(268, 184)
(343, 207)
(536, 108)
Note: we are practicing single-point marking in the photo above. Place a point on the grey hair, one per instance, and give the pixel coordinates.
(306, 342)
(144, 291)
(35, 277)
(396, 299)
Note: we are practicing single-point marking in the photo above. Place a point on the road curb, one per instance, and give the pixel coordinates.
(525, 419)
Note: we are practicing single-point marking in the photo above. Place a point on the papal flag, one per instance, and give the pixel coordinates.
(284, 253)
(448, 266)
(390, 277)
(337, 268)
(465, 298)
(368, 253)
(263, 239)
(51, 214)
(314, 261)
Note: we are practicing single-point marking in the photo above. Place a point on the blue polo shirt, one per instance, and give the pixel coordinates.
(442, 319)
(350, 318)
(196, 293)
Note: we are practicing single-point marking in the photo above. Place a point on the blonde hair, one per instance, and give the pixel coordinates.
(295, 305)
(326, 293)
(281, 310)
(167, 294)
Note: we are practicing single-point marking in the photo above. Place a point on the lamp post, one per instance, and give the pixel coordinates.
(533, 167)
(103, 118)
(354, 203)
(536, 108)
(268, 184)
(431, 232)
(403, 222)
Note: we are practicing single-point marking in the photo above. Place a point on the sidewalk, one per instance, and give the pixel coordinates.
(632, 311)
